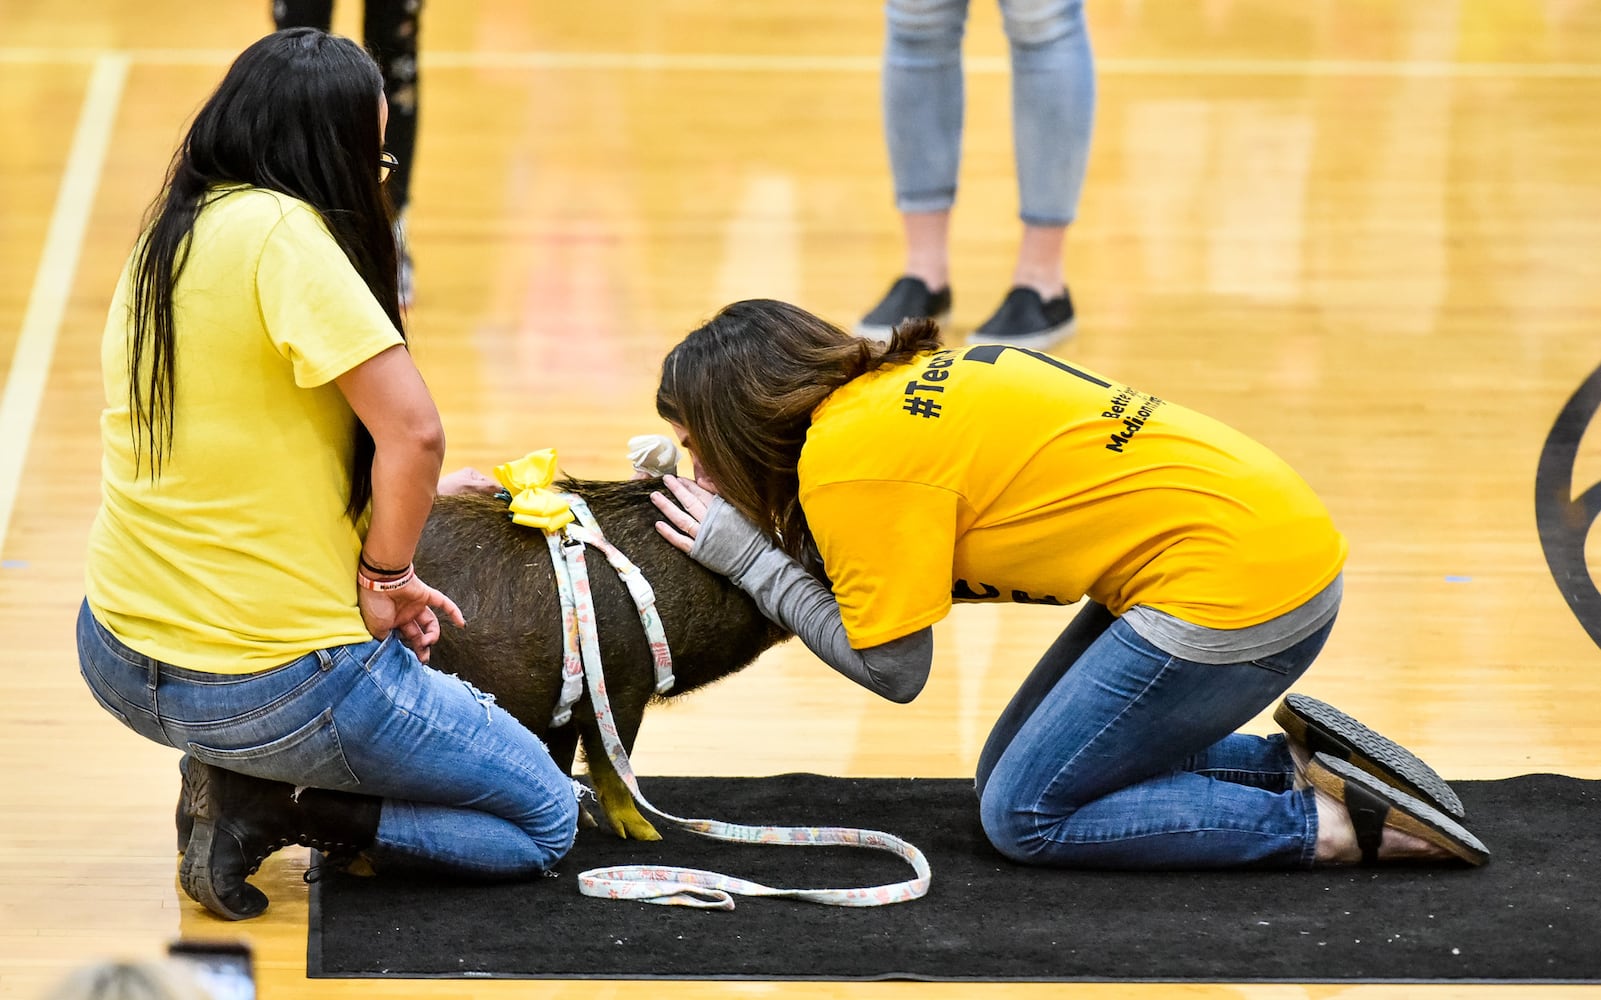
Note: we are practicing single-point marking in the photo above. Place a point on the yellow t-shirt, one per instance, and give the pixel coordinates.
(999, 474)
(240, 556)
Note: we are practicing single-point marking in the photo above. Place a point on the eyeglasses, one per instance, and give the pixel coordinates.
(387, 163)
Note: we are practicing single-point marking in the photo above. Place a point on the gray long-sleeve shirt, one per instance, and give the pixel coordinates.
(727, 543)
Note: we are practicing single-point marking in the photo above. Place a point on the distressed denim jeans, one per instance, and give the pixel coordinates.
(1053, 103)
(1115, 754)
(466, 788)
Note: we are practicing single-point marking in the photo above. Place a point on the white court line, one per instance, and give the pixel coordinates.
(735, 63)
(58, 265)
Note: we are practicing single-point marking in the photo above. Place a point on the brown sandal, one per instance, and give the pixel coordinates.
(1374, 805)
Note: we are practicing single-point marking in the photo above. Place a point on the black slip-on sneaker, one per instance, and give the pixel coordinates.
(1027, 319)
(907, 298)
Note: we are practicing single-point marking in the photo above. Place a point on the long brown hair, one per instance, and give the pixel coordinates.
(296, 113)
(744, 386)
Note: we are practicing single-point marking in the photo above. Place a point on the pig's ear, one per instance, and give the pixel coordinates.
(654, 455)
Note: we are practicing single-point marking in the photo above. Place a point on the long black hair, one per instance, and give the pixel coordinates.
(297, 113)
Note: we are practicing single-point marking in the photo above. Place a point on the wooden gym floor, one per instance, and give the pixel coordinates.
(1363, 232)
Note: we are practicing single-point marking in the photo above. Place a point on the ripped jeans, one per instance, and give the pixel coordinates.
(467, 789)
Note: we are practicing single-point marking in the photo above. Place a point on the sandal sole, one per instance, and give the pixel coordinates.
(1322, 728)
(1407, 814)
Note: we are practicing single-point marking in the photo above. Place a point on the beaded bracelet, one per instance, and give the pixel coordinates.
(384, 586)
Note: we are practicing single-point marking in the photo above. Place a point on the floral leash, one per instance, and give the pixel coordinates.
(526, 486)
(669, 885)
(575, 607)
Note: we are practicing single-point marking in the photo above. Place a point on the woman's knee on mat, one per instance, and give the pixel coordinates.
(553, 837)
(548, 824)
(545, 841)
(1010, 827)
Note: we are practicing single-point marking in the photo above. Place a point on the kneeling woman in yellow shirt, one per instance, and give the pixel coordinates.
(270, 456)
(919, 476)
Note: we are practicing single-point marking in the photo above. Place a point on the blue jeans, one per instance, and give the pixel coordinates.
(1053, 103)
(466, 788)
(1115, 754)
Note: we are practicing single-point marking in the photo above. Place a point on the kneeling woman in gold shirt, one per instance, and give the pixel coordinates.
(909, 476)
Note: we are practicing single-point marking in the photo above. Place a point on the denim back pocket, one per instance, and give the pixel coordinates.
(94, 684)
(311, 755)
(1279, 663)
(115, 700)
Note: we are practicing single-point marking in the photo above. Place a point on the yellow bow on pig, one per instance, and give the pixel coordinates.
(533, 503)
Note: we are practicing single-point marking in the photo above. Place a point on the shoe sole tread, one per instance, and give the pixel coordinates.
(1407, 813)
(1303, 717)
(194, 872)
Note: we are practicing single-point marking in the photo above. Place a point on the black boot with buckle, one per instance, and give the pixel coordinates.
(239, 821)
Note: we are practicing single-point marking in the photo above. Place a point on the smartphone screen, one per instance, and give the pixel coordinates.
(224, 968)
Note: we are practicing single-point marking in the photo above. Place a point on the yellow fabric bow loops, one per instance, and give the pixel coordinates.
(533, 503)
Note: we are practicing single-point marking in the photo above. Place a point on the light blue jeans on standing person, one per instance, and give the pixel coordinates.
(1053, 103)
(1114, 754)
(467, 789)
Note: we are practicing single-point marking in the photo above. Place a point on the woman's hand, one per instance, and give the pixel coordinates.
(410, 611)
(709, 529)
(468, 480)
(684, 517)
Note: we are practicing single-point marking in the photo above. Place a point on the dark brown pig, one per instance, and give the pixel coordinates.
(500, 575)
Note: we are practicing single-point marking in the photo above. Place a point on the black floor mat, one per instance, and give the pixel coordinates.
(1530, 916)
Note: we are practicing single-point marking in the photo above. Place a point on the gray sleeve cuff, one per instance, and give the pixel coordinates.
(789, 595)
(729, 544)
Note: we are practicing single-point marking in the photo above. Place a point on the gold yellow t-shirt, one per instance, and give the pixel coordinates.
(999, 474)
(240, 556)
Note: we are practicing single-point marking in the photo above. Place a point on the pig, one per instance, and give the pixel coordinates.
(500, 575)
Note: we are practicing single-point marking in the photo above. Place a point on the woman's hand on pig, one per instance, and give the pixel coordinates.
(708, 528)
(468, 480)
(684, 517)
(409, 611)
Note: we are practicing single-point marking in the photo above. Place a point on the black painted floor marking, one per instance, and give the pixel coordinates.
(1564, 519)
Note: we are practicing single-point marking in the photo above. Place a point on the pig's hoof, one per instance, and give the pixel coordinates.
(634, 827)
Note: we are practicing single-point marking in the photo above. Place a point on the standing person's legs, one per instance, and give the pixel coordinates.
(1053, 115)
(1053, 112)
(923, 94)
(1095, 777)
(317, 14)
(390, 28)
